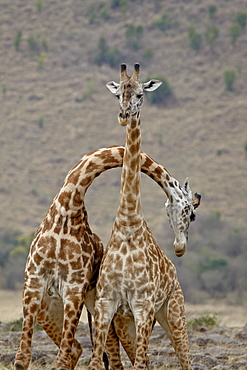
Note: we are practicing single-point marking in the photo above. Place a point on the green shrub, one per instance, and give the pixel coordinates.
(148, 53)
(195, 38)
(235, 32)
(17, 40)
(123, 5)
(241, 17)
(97, 11)
(41, 121)
(33, 44)
(210, 321)
(211, 34)
(39, 5)
(133, 34)
(212, 9)
(87, 95)
(213, 264)
(44, 43)
(40, 60)
(163, 22)
(245, 148)
(106, 55)
(16, 325)
(113, 57)
(133, 31)
(4, 89)
(160, 95)
(229, 78)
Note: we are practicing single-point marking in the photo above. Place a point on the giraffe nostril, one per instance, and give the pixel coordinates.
(124, 115)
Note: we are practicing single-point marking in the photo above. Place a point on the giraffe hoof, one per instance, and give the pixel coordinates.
(18, 366)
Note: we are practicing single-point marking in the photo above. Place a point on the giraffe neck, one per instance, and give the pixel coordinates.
(129, 212)
(70, 199)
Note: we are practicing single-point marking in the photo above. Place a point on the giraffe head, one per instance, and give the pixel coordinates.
(181, 212)
(130, 93)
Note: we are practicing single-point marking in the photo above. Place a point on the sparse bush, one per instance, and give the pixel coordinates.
(148, 53)
(195, 38)
(133, 34)
(163, 22)
(160, 95)
(17, 325)
(123, 5)
(106, 55)
(212, 9)
(17, 40)
(235, 32)
(4, 89)
(40, 60)
(229, 78)
(44, 43)
(113, 57)
(33, 44)
(133, 31)
(211, 34)
(41, 121)
(245, 148)
(210, 321)
(89, 92)
(212, 264)
(241, 17)
(97, 11)
(39, 5)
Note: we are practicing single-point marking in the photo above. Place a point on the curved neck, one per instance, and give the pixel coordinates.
(71, 196)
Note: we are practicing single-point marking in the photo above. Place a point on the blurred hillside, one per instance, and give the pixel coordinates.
(56, 57)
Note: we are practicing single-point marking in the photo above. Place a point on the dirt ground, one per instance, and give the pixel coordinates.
(222, 347)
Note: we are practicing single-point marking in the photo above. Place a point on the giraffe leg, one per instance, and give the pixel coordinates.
(113, 349)
(126, 332)
(144, 318)
(171, 317)
(103, 314)
(112, 342)
(50, 318)
(69, 348)
(31, 304)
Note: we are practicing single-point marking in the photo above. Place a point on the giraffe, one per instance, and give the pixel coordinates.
(64, 258)
(136, 280)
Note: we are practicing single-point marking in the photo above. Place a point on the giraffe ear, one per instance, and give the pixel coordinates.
(196, 200)
(186, 186)
(151, 85)
(112, 86)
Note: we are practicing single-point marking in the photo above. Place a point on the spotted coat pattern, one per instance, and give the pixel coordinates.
(137, 282)
(64, 259)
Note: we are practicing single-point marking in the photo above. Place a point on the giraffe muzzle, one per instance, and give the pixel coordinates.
(179, 248)
(123, 117)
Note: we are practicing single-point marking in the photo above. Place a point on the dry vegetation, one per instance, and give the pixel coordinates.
(55, 108)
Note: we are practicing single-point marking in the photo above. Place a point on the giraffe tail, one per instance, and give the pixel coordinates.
(105, 358)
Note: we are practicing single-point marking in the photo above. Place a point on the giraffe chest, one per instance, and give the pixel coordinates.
(136, 271)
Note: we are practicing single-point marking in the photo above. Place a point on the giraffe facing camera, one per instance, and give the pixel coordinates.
(137, 282)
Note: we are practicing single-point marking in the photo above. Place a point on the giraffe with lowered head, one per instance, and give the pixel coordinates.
(136, 279)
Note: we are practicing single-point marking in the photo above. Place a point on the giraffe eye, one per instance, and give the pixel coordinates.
(117, 96)
(192, 216)
(139, 96)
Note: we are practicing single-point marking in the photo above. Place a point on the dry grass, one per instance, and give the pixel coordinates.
(228, 315)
